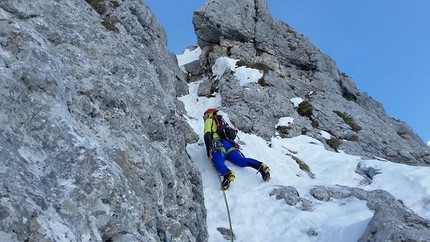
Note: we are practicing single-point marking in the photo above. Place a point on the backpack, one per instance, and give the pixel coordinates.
(224, 130)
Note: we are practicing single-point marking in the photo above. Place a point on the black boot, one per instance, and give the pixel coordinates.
(228, 177)
(264, 170)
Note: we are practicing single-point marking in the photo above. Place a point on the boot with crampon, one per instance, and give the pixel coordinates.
(264, 171)
(228, 177)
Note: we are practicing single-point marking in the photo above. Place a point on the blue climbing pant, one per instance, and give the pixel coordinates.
(231, 154)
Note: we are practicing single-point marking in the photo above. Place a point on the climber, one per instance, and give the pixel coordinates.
(219, 149)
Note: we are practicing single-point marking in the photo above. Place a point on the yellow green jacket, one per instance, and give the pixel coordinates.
(210, 134)
(210, 126)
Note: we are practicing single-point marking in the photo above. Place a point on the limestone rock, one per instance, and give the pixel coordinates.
(91, 139)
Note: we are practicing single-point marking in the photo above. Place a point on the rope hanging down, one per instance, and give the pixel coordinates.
(228, 212)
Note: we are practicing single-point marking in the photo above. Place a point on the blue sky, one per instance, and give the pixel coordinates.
(383, 45)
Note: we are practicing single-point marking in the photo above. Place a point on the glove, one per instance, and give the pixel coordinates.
(236, 145)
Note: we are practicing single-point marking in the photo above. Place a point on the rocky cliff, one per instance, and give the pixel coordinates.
(91, 142)
(294, 67)
(92, 137)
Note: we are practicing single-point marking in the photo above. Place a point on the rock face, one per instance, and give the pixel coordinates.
(293, 67)
(91, 140)
(392, 221)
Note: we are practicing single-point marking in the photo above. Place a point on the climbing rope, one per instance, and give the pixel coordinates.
(228, 212)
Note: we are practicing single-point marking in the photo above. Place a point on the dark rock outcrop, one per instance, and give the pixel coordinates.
(392, 221)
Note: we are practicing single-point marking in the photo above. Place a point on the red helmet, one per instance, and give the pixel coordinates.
(210, 110)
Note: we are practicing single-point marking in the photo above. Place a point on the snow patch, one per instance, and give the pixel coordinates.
(296, 101)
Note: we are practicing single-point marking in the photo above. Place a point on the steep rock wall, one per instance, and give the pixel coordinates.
(91, 142)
